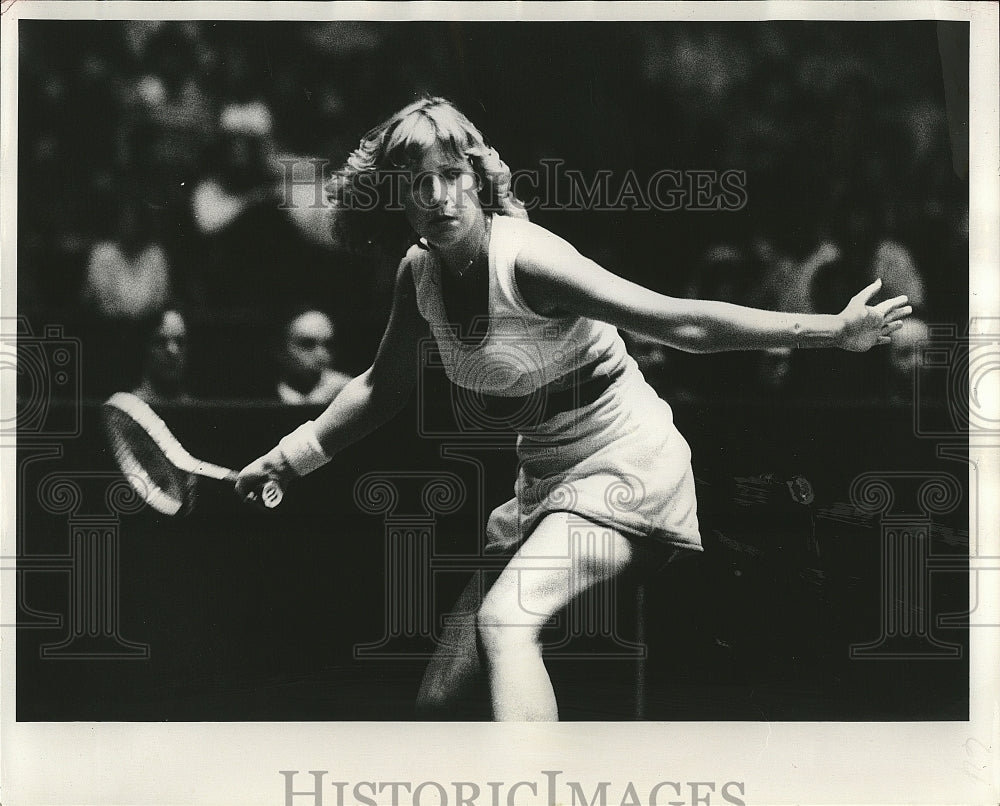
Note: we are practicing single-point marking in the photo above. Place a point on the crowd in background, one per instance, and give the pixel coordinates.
(164, 170)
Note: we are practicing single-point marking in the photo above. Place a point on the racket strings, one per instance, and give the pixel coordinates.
(170, 490)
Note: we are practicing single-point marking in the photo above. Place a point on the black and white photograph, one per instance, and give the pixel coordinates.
(514, 403)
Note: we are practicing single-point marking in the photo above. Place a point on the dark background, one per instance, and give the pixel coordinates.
(850, 133)
(256, 616)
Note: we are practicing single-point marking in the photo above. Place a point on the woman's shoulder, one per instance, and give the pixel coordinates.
(529, 238)
(520, 225)
(535, 246)
(417, 252)
(414, 263)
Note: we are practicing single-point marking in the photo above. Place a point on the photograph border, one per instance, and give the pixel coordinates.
(777, 763)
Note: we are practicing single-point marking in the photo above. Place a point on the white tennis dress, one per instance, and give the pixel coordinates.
(616, 458)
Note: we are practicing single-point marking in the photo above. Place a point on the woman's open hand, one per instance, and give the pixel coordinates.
(866, 325)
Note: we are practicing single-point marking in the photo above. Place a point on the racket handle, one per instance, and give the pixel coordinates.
(270, 494)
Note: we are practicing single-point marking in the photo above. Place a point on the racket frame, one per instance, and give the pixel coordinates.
(142, 415)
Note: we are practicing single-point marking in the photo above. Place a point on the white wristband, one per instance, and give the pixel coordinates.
(301, 450)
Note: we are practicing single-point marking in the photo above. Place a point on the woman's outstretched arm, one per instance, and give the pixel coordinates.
(379, 393)
(363, 405)
(556, 280)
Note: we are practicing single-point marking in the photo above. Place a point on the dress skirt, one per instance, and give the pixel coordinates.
(618, 461)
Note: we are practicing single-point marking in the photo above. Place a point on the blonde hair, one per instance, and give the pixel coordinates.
(365, 193)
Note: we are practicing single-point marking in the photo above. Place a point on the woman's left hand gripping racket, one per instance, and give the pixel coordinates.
(156, 464)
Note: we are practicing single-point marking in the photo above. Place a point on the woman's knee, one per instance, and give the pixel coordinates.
(502, 623)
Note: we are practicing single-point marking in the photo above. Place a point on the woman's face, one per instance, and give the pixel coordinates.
(441, 198)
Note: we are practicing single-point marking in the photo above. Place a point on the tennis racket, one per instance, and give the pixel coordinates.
(156, 464)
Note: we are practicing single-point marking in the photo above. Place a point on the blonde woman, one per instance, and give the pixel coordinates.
(518, 312)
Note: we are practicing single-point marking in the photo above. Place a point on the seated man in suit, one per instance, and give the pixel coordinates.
(306, 360)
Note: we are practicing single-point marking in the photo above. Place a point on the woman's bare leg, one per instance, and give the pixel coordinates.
(560, 560)
(455, 667)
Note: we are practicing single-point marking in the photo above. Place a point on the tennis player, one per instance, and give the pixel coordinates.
(516, 311)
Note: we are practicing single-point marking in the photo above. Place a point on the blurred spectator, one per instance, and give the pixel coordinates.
(250, 256)
(775, 368)
(818, 283)
(303, 196)
(904, 353)
(128, 276)
(724, 273)
(306, 360)
(787, 285)
(864, 249)
(164, 360)
(842, 130)
(177, 110)
(243, 175)
(895, 265)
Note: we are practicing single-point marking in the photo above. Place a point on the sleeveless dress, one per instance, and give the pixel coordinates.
(617, 459)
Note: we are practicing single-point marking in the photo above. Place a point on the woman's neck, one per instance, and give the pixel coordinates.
(462, 257)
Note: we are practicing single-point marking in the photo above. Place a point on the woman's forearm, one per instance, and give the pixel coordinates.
(354, 413)
(554, 277)
(706, 326)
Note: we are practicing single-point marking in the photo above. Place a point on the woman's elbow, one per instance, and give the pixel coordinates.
(391, 402)
(692, 339)
(388, 394)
